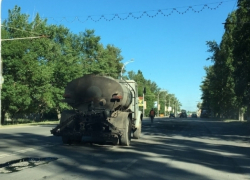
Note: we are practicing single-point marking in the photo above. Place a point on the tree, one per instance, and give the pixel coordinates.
(22, 68)
(37, 71)
(199, 105)
(241, 53)
(150, 96)
(227, 88)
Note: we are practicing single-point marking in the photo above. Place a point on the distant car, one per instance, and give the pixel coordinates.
(171, 115)
(194, 115)
(204, 114)
(183, 115)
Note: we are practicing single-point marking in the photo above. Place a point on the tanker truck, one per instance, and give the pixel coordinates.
(104, 109)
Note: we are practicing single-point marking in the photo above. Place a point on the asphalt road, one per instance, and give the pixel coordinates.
(168, 149)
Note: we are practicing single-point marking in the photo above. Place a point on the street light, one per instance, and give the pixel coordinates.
(165, 104)
(158, 100)
(176, 106)
(171, 96)
(124, 64)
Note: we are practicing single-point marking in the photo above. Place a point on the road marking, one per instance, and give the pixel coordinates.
(130, 164)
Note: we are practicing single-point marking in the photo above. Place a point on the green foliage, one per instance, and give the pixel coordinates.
(152, 91)
(227, 84)
(241, 52)
(37, 71)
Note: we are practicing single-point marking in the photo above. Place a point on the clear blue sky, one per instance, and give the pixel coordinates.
(170, 51)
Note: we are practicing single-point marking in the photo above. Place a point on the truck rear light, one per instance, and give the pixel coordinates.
(116, 97)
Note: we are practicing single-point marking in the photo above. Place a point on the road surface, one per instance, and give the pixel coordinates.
(180, 148)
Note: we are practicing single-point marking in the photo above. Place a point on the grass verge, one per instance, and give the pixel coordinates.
(31, 124)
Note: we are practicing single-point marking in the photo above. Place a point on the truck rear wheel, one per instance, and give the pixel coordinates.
(66, 139)
(125, 139)
(78, 139)
(137, 132)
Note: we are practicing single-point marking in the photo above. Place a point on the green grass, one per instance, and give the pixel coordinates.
(44, 122)
(26, 122)
(234, 120)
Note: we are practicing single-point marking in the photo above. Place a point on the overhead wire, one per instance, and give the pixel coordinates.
(143, 13)
(147, 13)
(234, 4)
(133, 15)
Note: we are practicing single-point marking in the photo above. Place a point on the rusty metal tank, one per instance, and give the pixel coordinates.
(97, 91)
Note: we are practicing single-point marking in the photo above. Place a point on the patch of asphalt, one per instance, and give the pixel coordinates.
(24, 163)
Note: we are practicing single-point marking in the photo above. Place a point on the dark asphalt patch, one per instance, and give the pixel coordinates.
(24, 163)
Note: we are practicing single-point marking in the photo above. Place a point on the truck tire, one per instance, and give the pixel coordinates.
(66, 139)
(78, 139)
(125, 139)
(137, 132)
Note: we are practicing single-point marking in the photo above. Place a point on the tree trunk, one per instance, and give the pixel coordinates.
(3, 117)
(241, 114)
(248, 112)
(58, 114)
(218, 115)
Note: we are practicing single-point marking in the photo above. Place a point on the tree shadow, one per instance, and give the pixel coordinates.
(171, 149)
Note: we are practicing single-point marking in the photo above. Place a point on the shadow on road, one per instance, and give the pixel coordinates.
(168, 149)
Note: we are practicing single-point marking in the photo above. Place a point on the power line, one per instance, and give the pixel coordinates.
(148, 13)
(234, 4)
(142, 14)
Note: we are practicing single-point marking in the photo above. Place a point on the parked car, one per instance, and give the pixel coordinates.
(194, 115)
(171, 115)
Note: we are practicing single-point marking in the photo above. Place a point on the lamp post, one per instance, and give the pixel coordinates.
(169, 103)
(175, 108)
(124, 64)
(198, 108)
(165, 104)
(158, 101)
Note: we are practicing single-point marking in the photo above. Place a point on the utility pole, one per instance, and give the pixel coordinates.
(169, 105)
(165, 105)
(175, 108)
(158, 102)
(165, 108)
(143, 111)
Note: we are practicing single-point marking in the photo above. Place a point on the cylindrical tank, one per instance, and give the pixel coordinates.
(104, 92)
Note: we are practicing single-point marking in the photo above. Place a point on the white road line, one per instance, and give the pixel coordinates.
(130, 164)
